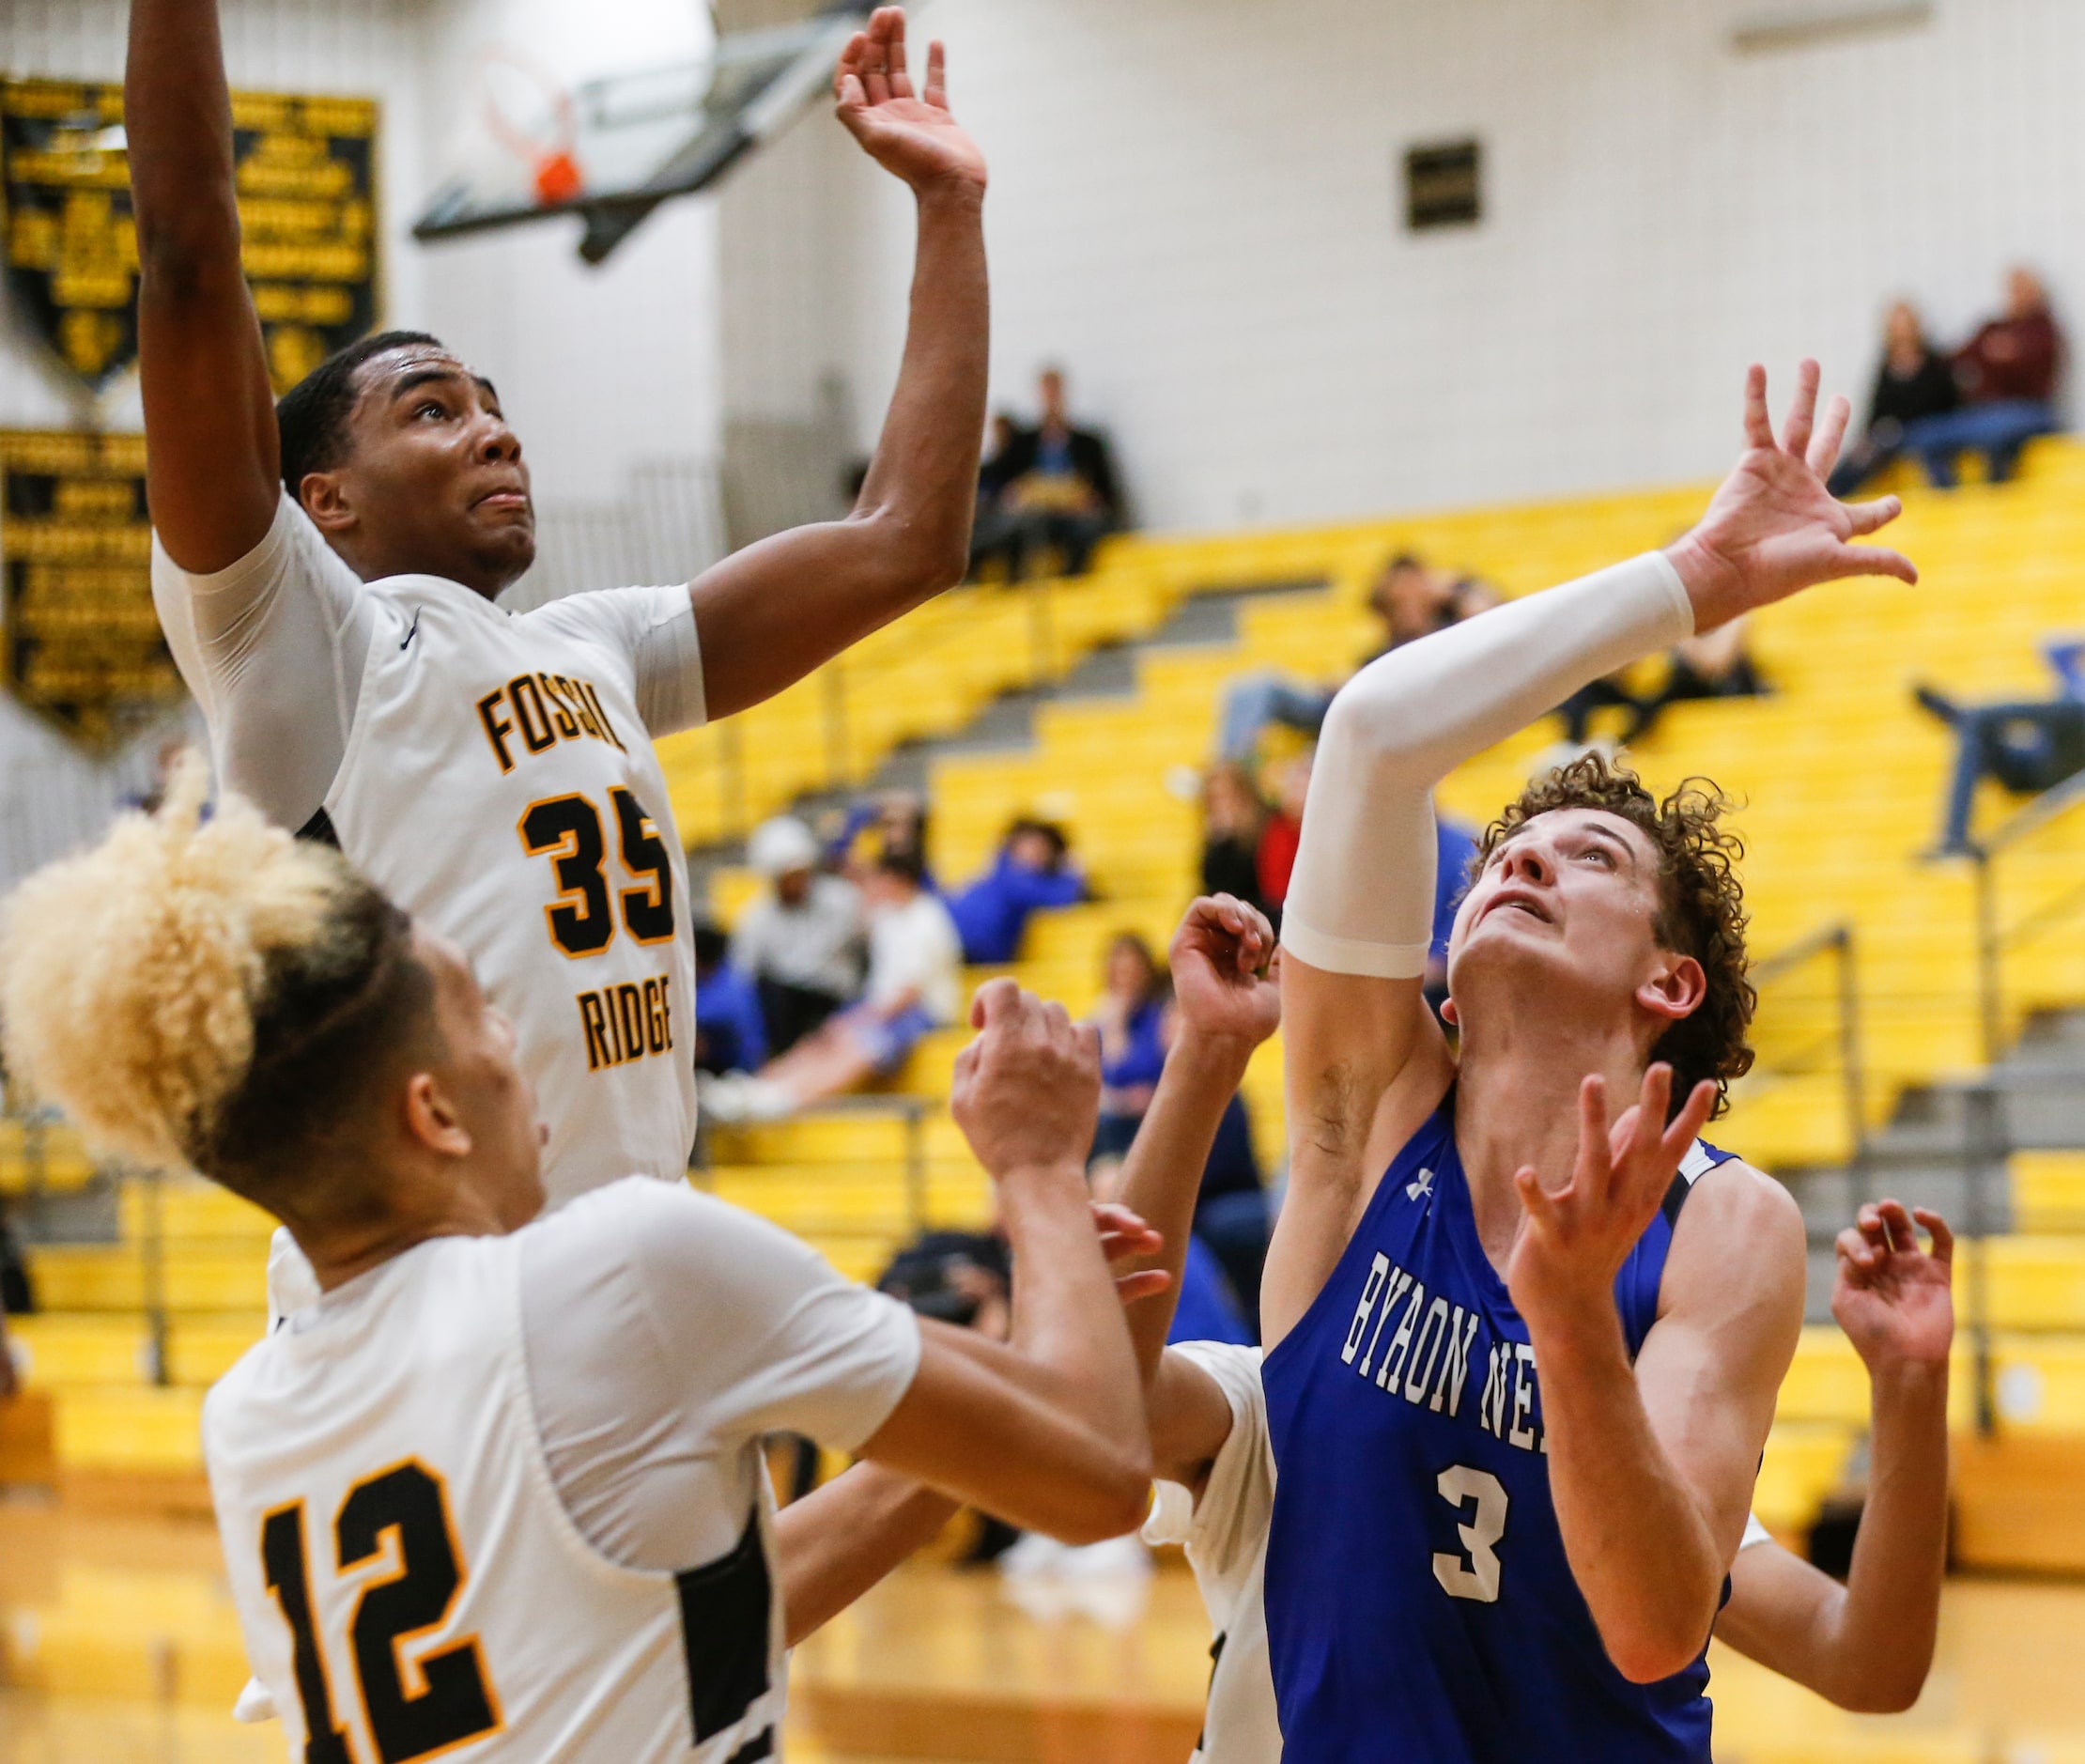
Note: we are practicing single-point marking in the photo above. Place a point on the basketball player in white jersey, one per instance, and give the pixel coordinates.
(325, 571)
(500, 1487)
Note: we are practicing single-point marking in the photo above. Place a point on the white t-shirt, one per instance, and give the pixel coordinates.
(817, 944)
(917, 945)
(491, 772)
(1225, 1533)
(552, 1439)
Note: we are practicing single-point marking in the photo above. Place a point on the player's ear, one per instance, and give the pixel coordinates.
(1676, 987)
(324, 496)
(432, 1118)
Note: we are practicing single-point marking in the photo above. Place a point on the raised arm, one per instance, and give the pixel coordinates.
(1046, 1431)
(1868, 1644)
(769, 614)
(1651, 1465)
(1357, 921)
(1226, 1007)
(209, 413)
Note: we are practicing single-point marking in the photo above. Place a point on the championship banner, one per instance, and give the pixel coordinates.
(306, 169)
(82, 643)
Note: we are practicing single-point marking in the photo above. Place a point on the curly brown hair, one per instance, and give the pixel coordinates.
(1701, 904)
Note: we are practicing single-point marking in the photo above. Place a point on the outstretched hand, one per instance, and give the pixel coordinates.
(1773, 528)
(1894, 1300)
(911, 135)
(1028, 1090)
(1126, 1237)
(1572, 1241)
(1222, 959)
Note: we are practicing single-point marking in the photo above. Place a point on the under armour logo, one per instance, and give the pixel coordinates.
(1422, 1187)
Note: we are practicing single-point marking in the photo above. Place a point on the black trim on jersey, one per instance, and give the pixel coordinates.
(1215, 1659)
(755, 1749)
(726, 1609)
(320, 828)
(1676, 1197)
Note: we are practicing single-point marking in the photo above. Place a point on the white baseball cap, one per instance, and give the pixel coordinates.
(781, 846)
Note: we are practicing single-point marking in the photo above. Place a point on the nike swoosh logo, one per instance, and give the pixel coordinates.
(414, 632)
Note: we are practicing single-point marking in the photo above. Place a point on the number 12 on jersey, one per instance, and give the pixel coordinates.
(401, 1513)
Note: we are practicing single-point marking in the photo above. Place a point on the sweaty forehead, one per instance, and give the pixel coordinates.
(412, 363)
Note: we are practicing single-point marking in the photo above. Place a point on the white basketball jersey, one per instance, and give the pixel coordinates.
(498, 785)
(407, 1579)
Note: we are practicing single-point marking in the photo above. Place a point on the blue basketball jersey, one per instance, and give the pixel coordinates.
(1419, 1604)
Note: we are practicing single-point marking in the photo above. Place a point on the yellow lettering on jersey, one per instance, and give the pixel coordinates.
(627, 1022)
(543, 710)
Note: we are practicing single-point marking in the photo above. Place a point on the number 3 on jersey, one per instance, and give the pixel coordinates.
(402, 1512)
(1475, 1573)
(569, 830)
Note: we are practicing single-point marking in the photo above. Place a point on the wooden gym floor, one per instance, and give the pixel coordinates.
(117, 1646)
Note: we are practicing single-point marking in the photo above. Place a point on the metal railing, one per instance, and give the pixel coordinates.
(1994, 940)
(1837, 1043)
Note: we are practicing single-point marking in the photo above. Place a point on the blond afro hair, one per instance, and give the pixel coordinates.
(130, 975)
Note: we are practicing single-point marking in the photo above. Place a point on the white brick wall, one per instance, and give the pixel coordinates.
(1195, 204)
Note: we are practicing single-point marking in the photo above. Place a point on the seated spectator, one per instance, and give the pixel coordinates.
(2007, 373)
(1057, 490)
(800, 944)
(2027, 747)
(891, 820)
(992, 526)
(1233, 817)
(1031, 870)
(914, 986)
(1231, 1212)
(1715, 665)
(1913, 381)
(1409, 599)
(1131, 1017)
(731, 1034)
(1283, 832)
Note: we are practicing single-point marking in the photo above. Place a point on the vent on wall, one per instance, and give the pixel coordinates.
(1444, 185)
(1800, 26)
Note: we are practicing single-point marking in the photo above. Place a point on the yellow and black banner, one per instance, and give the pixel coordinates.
(83, 645)
(306, 174)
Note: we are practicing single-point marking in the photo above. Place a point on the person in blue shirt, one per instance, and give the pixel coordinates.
(731, 1035)
(1031, 870)
(2028, 747)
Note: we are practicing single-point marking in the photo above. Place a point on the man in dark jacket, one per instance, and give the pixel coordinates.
(2007, 373)
(1055, 488)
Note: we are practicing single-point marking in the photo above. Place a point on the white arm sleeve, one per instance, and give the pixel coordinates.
(272, 648)
(1361, 898)
(666, 1333)
(652, 630)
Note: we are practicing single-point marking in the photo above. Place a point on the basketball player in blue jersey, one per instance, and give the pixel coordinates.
(1517, 1375)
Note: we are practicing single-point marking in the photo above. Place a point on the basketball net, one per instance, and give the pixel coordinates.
(533, 118)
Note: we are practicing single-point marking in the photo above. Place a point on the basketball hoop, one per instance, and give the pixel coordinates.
(531, 115)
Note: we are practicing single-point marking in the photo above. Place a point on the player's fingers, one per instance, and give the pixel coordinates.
(1803, 410)
(1536, 1202)
(1937, 1228)
(901, 81)
(1595, 1150)
(1830, 436)
(875, 60)
(936, 93)
(1868, 1222)
(1872, 560)
(1653, 1100)
(1897, 1229)
(995, 1001)
(1856, 1255)
(1759, 426)
(1691, 1118)
(852, 98)
(1873, 517)
(1145, 1283)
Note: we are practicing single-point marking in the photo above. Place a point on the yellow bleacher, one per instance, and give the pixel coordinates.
(1839, 776)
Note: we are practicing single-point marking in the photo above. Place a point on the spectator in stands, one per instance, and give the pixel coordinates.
(1913, 381)
(1409, 599)
(914, 986)
(888, 821)
(1283, 832)
(731, 1033)
(2007, 373)
(1715, 665)
(1231, 1211)
(2027, 747)
(1057, 490)
(1233, 817)
(992, 526)
(1131, 1017)
(1032, 869)
(800, 944)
